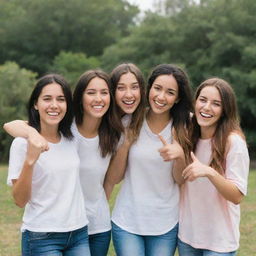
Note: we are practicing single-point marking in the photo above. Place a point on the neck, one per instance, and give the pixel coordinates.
(207, 132)
(51, 134)
(157, 122)
(90, 126)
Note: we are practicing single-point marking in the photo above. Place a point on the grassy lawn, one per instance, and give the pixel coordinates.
(10, 219)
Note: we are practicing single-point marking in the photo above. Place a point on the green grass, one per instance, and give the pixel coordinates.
(10, 219)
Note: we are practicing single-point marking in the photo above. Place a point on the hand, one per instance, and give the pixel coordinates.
(196, 169)
(33, 152)
(37, 140)
(129, 137)
(170, 152)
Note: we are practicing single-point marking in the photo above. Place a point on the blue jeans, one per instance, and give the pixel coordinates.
(127, 244)
(99, 243)
(187, 250)
(74, 243)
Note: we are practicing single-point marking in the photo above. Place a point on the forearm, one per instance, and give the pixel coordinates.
(116, 169)
(179, 165)
(225, 187)
(17, 128)
(22, 187)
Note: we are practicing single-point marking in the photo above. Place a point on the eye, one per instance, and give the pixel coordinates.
(202, 100)
(62, 99)
(157, 88)
(105, 92)
(217, 104)
(171, 92)
(135, 87)
(120, 88)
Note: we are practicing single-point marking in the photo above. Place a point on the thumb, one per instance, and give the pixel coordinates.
(193, 157)
(162, 140)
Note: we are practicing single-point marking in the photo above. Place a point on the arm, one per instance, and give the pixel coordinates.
(22, 186)
(117, 166)
(224, 186)
(19, 128)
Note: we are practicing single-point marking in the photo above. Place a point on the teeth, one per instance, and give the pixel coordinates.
(205, 115)
(98, 107)
(159, 104)
(53, 113)
(129, 102)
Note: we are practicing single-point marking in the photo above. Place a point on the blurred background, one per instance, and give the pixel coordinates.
(206, 37)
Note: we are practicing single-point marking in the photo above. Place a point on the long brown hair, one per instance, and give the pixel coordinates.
(227, 124)
(109, 129)
(180, 112)
(138, 115)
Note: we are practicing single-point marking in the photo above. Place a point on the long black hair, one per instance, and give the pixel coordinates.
(33, 116)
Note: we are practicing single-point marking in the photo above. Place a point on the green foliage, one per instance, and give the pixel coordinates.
(72, 65)
(15, 87)
(35, 32)
(210, 38)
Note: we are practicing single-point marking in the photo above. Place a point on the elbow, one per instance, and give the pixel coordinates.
(20, 204)
(238, 199)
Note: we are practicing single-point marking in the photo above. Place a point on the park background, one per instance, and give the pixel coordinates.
(205, 37)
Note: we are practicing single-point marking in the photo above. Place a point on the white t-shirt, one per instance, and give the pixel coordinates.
(147, 203)
(207, 219)
(56, 203)
(93, 168)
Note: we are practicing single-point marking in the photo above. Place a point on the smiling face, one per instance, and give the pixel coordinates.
(208, 110)
(127, 94)
(51, 105)
(96, 98)
(163, 94)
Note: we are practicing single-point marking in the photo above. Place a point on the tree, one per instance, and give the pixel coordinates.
(15, 87)
(72, 65)
(38, 30)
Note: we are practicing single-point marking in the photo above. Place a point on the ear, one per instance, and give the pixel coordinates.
(176, 101)
(35, 106)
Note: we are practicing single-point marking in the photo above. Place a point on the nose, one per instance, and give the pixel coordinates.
(98, 97)
(128, 92)
(161, 95)
(207, 105)
(54, 103)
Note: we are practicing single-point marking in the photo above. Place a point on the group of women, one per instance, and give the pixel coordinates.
(184, 165)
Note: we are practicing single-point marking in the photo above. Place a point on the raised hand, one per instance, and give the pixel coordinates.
(171, 151)
(37, 140)
(195, 169)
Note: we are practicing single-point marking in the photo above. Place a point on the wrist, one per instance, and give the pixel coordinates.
(211, 173)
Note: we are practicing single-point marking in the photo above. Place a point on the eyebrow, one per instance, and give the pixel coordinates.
(169, 89)
(201, 96)
(132, 83)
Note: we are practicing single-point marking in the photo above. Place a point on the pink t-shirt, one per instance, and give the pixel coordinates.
(207, 220)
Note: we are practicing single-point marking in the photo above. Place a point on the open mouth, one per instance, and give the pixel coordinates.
(205, 115)
(159, 103)
(128, 102)
(98, 107)
(53, 113)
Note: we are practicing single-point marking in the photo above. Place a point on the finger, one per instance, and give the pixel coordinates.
(193, 157)
(162, 140)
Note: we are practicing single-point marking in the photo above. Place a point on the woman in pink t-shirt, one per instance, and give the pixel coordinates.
(216, 180)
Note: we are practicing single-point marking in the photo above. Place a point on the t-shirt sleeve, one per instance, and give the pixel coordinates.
(17, 157)
(237, 163)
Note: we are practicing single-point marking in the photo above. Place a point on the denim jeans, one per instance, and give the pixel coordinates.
(99, 243)
(187, 250)
(74, 243)
(127, 244)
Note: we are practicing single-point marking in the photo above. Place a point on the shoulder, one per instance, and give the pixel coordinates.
(236, 142)
(19, 143)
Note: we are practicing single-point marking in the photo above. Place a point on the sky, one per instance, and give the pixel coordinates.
(143, 4)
